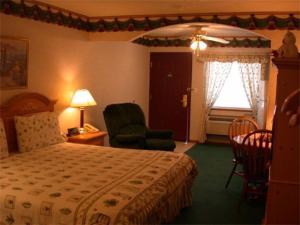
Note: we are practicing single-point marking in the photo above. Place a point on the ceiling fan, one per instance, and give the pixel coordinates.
(202, 33)
(199, 36)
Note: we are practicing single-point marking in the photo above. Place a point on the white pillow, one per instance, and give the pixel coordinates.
(37, 131)
(3, 141)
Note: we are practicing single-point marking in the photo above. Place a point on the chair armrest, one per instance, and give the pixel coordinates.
(160, 134)
(129, 138)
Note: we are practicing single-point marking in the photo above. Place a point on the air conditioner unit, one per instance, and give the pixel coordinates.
(218, 124)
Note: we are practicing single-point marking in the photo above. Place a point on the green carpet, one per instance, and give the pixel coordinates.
(212, 203)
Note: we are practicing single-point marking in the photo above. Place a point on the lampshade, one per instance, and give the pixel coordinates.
(82, 98)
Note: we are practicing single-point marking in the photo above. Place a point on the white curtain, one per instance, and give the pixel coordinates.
(250, 74)
(214, 78)
(256, 64)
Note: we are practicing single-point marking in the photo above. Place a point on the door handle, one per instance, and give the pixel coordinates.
(184, 100)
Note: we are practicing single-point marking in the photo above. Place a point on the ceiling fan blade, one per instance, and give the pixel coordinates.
(215, 39)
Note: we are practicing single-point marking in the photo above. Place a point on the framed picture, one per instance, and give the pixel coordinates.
(73, 131)
(13, 62)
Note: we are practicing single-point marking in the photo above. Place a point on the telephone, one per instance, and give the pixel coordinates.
(89, 128)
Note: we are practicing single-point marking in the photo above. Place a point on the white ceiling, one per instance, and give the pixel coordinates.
(96, 8)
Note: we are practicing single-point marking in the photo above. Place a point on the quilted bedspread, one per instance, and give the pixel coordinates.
(79, 184)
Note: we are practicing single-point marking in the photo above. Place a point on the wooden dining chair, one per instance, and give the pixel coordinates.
(256, 152)
(239, 126)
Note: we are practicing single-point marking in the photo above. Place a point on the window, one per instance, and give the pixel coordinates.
(233, 94)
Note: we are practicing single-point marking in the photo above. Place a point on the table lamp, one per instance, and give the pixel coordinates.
(82, 98)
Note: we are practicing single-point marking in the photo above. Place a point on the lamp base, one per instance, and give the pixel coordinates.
(81, 129)
(81, 116)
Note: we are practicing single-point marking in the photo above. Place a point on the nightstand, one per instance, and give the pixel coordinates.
(94, 138)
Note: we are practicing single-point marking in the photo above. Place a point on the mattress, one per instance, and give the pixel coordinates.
(80, 184)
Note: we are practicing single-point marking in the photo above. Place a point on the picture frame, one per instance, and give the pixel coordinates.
(73, 131)
(13, 62)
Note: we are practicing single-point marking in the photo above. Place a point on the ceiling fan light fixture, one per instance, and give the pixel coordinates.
(198, 45)
(202, 45)
(194, 45)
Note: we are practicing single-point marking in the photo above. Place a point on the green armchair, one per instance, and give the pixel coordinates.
(126, 128)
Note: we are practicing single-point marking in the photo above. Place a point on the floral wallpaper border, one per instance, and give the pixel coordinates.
(51, 14)
(234, 43)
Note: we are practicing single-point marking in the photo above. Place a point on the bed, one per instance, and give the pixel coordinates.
(68, 183)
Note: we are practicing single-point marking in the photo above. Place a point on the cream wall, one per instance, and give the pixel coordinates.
(275, 36)
(123, 70)
(62, 60)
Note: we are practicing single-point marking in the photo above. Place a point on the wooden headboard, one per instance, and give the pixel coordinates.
(19, 105)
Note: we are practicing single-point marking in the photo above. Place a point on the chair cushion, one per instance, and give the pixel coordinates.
(161, 134)
(125, 124)
(119, 116)
(129, 138)
(160, 144)
(136, 129)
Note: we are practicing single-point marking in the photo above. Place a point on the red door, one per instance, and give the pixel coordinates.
(170, 82)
